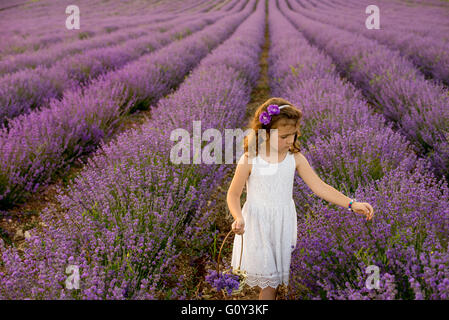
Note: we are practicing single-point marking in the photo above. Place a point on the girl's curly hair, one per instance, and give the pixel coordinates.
(288, 113)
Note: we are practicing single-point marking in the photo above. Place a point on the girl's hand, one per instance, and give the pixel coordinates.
(238, 226)
(363, 208)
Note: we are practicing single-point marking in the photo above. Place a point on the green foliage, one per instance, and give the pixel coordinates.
(83, 35)
(18, 49)
(365, 255)
(213, 249)
(110, 29)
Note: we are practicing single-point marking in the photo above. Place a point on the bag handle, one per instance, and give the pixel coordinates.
(219, 253)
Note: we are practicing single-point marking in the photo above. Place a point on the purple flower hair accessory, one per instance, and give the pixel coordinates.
(265, 118)
(272, 109)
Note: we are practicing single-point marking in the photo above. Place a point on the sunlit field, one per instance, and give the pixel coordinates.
(96, 202)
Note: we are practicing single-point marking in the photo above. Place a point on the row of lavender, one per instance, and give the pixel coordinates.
(356, 152)
(26, 90)
(36, 25)
(22, 91)
(132, 212)
(431, 55)
(48, 55)
(392, 84)
(38, 49)
(15, 46)
(38, 146)
(206, 6)
(419, 19)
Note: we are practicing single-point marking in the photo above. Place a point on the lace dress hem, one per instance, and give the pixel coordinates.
(264, 281)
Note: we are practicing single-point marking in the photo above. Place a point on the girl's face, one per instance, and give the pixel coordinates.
(286, 135)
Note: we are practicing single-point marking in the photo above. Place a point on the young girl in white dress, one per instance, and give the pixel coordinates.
(267, 220)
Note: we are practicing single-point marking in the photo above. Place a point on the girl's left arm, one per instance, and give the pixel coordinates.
(327, 192)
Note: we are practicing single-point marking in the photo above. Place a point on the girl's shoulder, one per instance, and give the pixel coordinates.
(299, 157)
(245, 158)
(246, 161)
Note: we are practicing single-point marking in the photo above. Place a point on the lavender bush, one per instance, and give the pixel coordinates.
(358, 153)
(38, 146)
(130, 212)
(430, 54)
(20, 35)
(391, 83)
(26, 90)
(48, 56)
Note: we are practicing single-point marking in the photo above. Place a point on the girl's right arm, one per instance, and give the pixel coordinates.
(242, 173)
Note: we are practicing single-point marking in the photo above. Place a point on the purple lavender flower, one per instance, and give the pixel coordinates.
(265, 118)
(220, 281)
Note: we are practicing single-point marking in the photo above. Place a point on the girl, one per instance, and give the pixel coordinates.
(269, 212)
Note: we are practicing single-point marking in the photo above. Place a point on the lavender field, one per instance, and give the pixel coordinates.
(87, 118)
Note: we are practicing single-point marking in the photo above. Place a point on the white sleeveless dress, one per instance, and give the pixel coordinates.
(270, 224)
